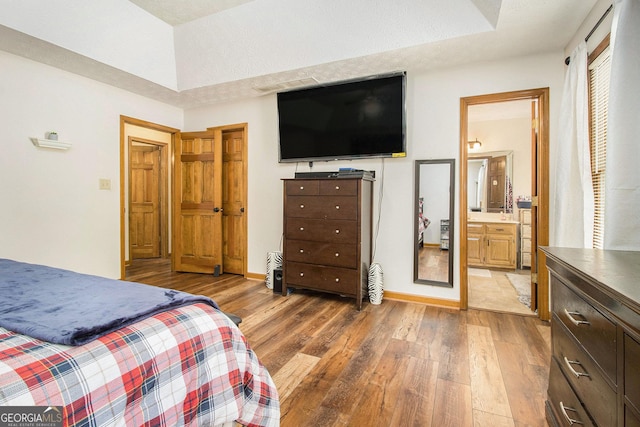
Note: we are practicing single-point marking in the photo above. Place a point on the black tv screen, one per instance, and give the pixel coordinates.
(349, 120)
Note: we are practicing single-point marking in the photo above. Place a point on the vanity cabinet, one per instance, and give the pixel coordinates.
(491, 244)
(595, 338)
(327, 235)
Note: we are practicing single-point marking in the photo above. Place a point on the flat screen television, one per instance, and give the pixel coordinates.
(347, 120)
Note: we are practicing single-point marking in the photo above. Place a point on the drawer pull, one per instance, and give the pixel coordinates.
(499, 229)
(570, 420)
(337, 187)
(337, 231)
(301, 251)
(569, 364)
(337, 207)
(302, 187)
(301, 206)
(337, 254)
(301, 274)
(570, 315)
(301, 228)
(337, 279)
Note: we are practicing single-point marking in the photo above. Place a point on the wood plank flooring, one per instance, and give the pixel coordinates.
(394, 364)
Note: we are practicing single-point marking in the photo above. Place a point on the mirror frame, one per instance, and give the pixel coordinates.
(418, 163)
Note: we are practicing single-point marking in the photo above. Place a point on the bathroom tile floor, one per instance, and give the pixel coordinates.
(494, 292)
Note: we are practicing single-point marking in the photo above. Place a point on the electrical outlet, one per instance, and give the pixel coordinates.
(104, 184)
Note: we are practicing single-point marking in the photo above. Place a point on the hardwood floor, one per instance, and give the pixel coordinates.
(394, 364)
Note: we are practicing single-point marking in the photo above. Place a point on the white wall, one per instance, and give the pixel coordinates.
(433, 128)
(52, 210)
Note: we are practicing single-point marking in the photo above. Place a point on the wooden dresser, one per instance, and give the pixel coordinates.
(594, 378)
(327, 235)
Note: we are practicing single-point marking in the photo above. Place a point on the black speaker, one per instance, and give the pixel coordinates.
(277, 281)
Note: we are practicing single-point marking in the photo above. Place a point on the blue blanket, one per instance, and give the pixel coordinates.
(65, 307)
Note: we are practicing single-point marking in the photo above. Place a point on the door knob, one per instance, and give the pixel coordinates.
(217, 209)
(242, 210)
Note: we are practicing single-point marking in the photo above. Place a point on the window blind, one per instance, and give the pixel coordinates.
(599, 71)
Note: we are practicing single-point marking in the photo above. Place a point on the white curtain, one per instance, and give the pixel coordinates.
(574, 188)
(622, 181)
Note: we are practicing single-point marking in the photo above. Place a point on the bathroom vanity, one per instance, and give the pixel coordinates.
(492, 243)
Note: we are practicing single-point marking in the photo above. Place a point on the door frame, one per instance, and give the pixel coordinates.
(124, 120)
(541, 162)
(164, 185)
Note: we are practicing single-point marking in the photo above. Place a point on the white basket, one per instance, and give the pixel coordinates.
(274, 262)
(375, 284)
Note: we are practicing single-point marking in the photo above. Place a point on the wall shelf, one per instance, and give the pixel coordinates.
(51, 143)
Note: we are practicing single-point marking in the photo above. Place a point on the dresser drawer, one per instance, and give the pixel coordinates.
(525, 216)
(328, 207)
(594, 331)
(526, 259)
(582, 373)
(321, 230)
(332, 279)
(302, 187)
(526, 245)
(525, 230)
(630, 419)
(338, 187)
(632, 371)
(564, 402)
(331, 254)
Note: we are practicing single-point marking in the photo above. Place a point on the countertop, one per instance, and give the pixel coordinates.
(494, 221)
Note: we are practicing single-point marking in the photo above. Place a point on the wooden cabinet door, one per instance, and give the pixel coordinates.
(500, 250)
(198, 202)
(475, 244)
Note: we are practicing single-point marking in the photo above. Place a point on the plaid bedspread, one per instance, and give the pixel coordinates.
(189, 366)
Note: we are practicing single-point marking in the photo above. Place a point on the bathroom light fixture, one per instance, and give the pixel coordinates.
(474, 144)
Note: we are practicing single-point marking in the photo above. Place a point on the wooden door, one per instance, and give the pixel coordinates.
(198, 202)
(496, 184)
(234, 201)
(144, 211)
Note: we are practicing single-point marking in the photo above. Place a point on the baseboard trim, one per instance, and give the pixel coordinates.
(438, 302)
(255, 276)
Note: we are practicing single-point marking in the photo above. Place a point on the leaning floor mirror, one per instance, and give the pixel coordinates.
(433, 222)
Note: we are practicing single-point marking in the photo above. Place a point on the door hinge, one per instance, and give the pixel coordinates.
(534, 278)
(534, 201)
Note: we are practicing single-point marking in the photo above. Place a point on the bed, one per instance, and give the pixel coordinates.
(174, 360)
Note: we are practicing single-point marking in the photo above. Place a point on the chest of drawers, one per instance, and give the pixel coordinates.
(525, 237)
(327, 235)
(595, 329)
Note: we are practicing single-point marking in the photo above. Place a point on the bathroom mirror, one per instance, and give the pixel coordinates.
(489, 182)
(433, 222)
